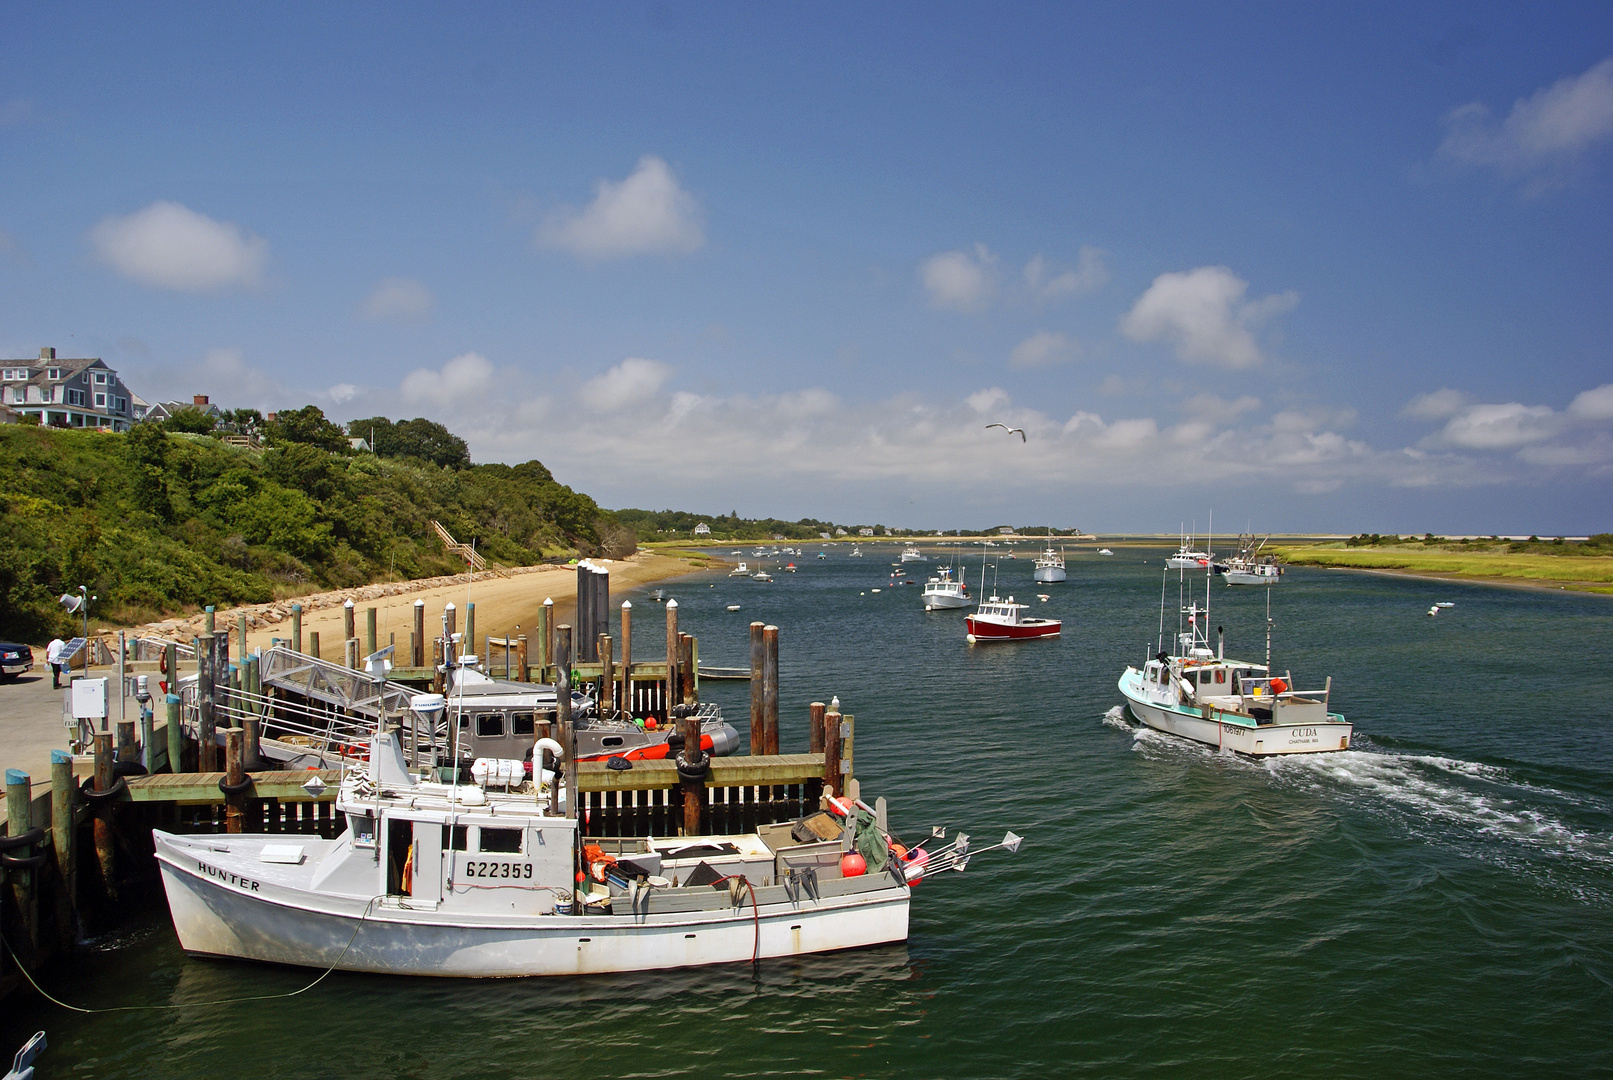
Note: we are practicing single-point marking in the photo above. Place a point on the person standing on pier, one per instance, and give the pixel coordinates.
(53, 657)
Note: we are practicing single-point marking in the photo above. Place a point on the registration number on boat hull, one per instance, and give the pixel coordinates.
(480, 869)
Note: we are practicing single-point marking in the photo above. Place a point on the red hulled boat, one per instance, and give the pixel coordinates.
(1004, 620)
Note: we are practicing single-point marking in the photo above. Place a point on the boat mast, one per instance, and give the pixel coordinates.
(1268, 630)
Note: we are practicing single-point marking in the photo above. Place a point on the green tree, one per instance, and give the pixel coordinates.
(191, 419)
(306, 425)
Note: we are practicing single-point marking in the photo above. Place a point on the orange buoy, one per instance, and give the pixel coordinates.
(852, 865)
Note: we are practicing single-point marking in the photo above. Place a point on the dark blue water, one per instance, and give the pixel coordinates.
(1436, 901)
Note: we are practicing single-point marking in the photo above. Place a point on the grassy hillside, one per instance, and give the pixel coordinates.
(155, 521)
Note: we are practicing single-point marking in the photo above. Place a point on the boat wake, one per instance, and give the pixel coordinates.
(1478, 810)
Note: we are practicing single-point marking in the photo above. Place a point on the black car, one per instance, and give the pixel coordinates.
(14, 660)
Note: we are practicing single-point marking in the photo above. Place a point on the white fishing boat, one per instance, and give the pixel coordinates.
(942, 592)
(740, 571)
(1049, 566)
(856, 552)
(1105, 551)
(1249, 567)
(911, 553)
(1189, 558)
(1236, 705)
(480, 879)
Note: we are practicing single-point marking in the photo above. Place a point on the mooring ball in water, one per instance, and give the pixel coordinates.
(852, 865)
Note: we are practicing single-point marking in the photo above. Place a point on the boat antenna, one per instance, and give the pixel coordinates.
(1164, 579)
(1268, 629)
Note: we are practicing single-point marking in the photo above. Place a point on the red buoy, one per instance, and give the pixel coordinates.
(852, 865)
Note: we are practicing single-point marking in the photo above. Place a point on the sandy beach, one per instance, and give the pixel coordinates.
(502, 604)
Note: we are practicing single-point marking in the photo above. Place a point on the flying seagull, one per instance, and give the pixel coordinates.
(1011, 430)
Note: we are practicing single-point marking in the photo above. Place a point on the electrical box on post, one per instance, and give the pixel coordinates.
(89, 699)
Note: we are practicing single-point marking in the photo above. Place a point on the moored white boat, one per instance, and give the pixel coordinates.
(1049, 566)
(911, 553)
(465, 880)
(1249, 567)
(941, 592)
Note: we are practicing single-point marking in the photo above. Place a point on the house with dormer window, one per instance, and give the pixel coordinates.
(61, 392)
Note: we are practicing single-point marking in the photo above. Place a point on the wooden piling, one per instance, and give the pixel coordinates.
(350, 653)
(128, 748)
(627, 658)
(170, 666)
(105, 841)
(607, 674)
(686, 671)
(348, 611)
(205, 726)
(521, 659)
(176, 735)
(831, 751)
(694, 790)
(313, 645)
(546, 636)
(296, 628)
(672, 695)
(208, 616)
(815, 713)
(234, 776)
(417, 640)
(568, 734)
(63, 794)
(770, 690)
(758, 736)
(19, 819)
(369, 632)
(848, 730)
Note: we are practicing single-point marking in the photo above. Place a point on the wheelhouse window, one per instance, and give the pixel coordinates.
(522, 723)
(456, 838)
(363, 826)
(490, 725)
(499, 841)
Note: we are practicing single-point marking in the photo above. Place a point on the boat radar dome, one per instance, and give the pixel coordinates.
(429, 707)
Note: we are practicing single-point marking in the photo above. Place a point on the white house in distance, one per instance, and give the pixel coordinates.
(702, 529)
(82, 393)
(165, 410)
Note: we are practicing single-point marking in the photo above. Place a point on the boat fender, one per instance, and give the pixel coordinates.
(674, 743)
(236, 789)
(128, 768)
(23, 862)
(617, 763)
(22, 840)
(649, 723)
(87, 790)
(695, 771)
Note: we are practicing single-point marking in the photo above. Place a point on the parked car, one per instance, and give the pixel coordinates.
(14, 660)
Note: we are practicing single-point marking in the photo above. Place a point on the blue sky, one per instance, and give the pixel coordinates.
(1306, 269)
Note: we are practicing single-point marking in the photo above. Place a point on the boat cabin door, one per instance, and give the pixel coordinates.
(413, 858)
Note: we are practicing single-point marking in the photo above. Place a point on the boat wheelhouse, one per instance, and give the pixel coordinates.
(942, 592)
(1049, 566)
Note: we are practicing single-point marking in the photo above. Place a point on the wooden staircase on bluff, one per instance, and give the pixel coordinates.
(468, 553)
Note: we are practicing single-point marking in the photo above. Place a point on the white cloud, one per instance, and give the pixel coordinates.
(634, 381)
(1042, 348)
(1204, 315)
(400, 300)
(1542, 133)
(342, 393)
(468, 377)
(1500, 427)
(168, 246)
(1593, 405)
(959, 280)
(1214, 407)
(1089, 274)
(984, 401)
(1437, 405)
(646, 214)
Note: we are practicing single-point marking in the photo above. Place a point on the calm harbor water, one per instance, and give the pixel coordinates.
(1436, 901)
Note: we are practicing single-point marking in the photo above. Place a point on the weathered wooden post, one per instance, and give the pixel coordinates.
(205, 726)
(63, 794)
(369, 632)
(522, 670)
(350, 654)
(313, 645)
(127, 748)
(567, 735)
(815, 713)
(417, 642)
(770, 690)
(607, 674)
(348, 611)
(234, 778)
(450, 627)
(170, 666)
(296, 628)
(19, 820)
(848, 731)
(831, 748)
(758, 737)
(686, 671)
(692, 766)
(208, 626)
(470, 630)
(241, 625)
(105, 843)
(672, 695)
(176, 736)
(546, 635)
(627, 658)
